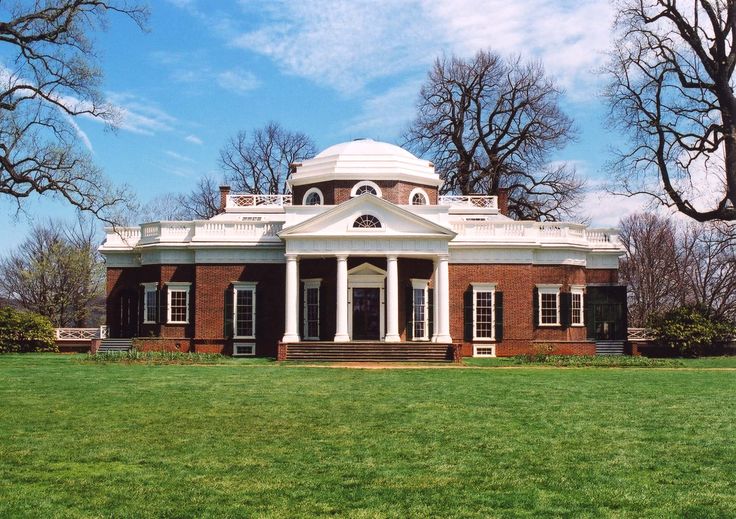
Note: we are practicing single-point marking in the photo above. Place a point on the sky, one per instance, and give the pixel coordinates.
(335, 70)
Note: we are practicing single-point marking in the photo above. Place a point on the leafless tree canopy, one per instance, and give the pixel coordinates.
(259, 163)
(672, 92)
(58, 273)
(668, 265)
(49, 76)
(203, 202)
(490, 123)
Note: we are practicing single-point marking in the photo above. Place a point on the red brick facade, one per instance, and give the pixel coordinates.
(338, 191)
(211, 286)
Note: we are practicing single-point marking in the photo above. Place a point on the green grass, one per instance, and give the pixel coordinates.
(81, 439)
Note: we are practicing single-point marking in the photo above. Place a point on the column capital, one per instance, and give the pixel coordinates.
(392, 257)
(341, 257)
(291, 257)
(443, 257)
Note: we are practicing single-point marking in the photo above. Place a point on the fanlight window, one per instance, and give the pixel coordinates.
(418, 199)
(313, 199)
(367, 221)
(366, 189)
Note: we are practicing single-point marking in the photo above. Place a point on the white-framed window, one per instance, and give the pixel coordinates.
(366, 186)
(549, 305)
(367, 221)
(150, 302)
(313, 196)
(311, 309)
(484, 350)
(244, 349)
(177, 303)
(418, 196)
(420, 309)
(577, 311)
(244, 310)
(484, 311)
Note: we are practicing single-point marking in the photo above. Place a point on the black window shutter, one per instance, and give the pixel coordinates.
(565, 309)
(430, 309)
(142, 304)
(499, 316)
(228, 317)
(409, 310)
(162, 314)
(157, 319)
(468, 314)
(535, 306)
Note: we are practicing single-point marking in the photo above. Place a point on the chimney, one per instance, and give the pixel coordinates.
(503, 201)
(224, 191)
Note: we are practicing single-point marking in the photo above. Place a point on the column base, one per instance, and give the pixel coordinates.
(290, 338)
(443, 338)
(392, 338)
(342, 337)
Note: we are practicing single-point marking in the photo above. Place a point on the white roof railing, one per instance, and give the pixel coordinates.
(245, 200)
(474, 201)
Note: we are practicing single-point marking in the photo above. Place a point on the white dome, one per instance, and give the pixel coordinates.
(365, 147)
(365, 159)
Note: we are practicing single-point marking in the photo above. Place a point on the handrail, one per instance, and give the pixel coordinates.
(81, 334)
(247, 200)
(481, 201)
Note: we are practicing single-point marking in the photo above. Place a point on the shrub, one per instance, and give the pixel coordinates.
(691, 331)
(156, 357)
(598, 361)
(23, 332)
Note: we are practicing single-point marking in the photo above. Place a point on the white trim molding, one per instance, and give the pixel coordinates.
(172, 287)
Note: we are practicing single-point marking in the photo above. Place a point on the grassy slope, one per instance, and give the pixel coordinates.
(240, 439)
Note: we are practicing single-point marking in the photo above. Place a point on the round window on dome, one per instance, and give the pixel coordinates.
(362, 190)
(366, 187)
(418, 197)
(312, 197)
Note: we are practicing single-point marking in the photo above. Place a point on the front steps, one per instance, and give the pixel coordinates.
(369, 352)
(609, 347)
(119, 345)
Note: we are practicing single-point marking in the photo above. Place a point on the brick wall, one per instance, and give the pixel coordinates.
(338, 191)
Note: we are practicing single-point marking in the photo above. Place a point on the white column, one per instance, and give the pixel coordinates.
(341, 321)
(443, 287)
(435, 301)
(392, 300)
(291, 313)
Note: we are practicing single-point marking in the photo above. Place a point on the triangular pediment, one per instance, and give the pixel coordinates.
(394, 221)
(366, 269)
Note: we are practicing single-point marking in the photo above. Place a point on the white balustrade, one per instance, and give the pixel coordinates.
(244, 200)
(80, 334)
(482, 201)
(552, 232)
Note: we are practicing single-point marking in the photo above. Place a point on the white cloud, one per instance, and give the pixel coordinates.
(138, 115)
(237, 80)
(193, 139)
(178, 156)
(383, 116)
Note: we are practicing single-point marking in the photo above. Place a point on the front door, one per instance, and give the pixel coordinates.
(366, 314)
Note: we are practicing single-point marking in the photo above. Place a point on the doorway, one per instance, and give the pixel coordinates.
(366, 314)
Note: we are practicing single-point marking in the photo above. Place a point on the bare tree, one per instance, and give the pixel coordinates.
(57, 273)
(48, 77)
(260, 163)
(672, 92)
(651, 267)
(203, 202)
(668, 265)
(490, 123)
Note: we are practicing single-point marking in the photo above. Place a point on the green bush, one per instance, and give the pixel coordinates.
(601, 361)
(691, 331)
(156, 357)
(23, 332)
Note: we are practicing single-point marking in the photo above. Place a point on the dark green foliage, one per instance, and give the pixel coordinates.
(23, 332)
(691, 331)
(596, 361)
(157, 357)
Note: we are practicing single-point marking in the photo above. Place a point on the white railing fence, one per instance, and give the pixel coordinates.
(258, 200)
(81, 334)
(639, 335)
(486, 202)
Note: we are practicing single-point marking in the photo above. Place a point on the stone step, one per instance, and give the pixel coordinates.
(368, 352)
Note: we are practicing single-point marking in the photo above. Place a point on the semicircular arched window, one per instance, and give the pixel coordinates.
(365, 189)
(313, 199)
(418, 199)
(367, 221)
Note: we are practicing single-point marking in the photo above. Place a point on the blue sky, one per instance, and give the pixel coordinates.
(335, 70)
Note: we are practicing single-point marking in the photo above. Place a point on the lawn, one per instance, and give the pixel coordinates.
(261, 439)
